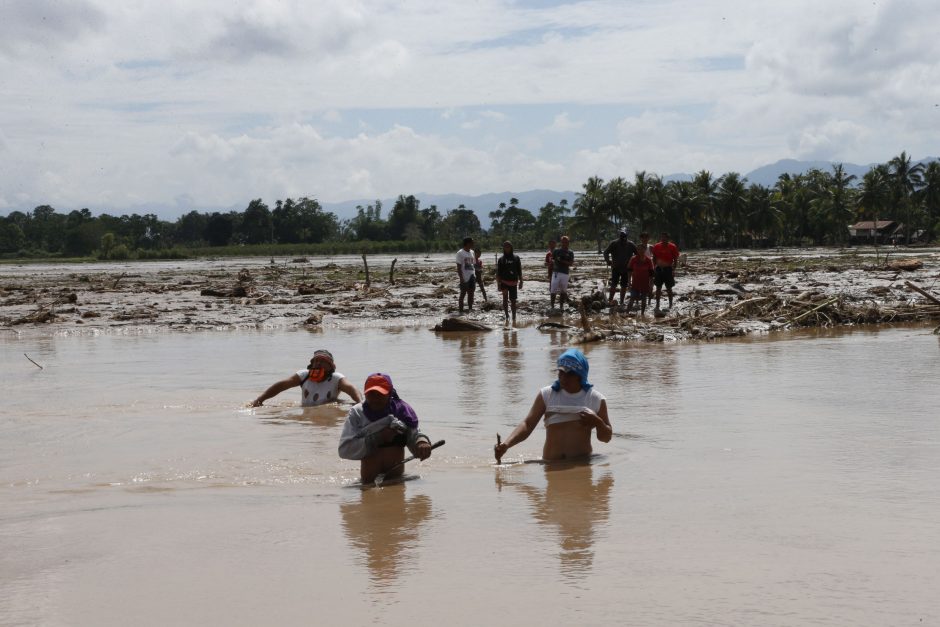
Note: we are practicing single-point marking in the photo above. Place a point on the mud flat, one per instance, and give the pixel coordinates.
(718, 294)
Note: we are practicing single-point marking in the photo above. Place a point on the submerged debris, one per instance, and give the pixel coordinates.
(460, 324)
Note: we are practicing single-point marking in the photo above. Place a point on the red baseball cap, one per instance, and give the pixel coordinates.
(379, 383)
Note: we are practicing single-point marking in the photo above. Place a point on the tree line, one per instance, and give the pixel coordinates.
(814, 208)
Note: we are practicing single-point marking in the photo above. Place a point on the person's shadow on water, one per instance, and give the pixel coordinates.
(385, 527)
(573, 505)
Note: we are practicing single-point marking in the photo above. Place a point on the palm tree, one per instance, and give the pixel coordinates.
(905, 179)
(681, 204)
(704, 215)
(833, 204)
(732, 203)
(640, 203)
(590, 211)
(929, 196)
(763, 217)
(617, 199)
(873, 195)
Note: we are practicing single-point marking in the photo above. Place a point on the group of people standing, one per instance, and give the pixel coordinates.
(638, 268)
(641, 268)
(380, 425)
(470, 274)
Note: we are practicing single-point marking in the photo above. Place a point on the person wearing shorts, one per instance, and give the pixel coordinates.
(509, 279)
(563, 259)
(665, 257)
(618, 255)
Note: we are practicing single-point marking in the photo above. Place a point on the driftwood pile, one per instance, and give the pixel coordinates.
(765, 311)
(243, 285)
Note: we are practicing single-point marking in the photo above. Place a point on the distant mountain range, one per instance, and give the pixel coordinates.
(533, 200)
(483, 204)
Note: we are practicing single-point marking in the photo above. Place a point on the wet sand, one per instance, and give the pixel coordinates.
(281, 293)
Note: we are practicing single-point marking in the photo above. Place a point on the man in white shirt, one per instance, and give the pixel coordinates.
(466, 274)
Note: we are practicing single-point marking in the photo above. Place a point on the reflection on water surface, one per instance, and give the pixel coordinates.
(785, 480)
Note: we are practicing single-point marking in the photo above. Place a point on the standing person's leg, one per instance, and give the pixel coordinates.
(614, 277)
(463, 293)
(625, 281)
(505, 292)
(658, 281)
(670, 282)
(513, 297)
(471, 290)
(553, 283)
(479, 276)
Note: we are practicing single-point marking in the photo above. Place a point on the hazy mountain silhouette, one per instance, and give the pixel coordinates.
(483, 204)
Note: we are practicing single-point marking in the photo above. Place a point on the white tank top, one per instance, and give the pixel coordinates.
(561, 406)
(314, 393)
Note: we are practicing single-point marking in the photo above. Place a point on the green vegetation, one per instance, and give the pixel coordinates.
(814, 208)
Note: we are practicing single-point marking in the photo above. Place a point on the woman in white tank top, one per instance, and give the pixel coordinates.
(572, 408)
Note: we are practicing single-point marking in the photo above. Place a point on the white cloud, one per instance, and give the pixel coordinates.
(225, 102)
(562, 123)
(829, 140)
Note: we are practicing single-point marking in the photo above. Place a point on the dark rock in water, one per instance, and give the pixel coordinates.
(553, 325)
(314, 319)
(460, 324)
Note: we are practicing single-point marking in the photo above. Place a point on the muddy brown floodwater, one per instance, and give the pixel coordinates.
(779, 479)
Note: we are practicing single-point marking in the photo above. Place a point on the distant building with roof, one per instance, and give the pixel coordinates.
(875, 232)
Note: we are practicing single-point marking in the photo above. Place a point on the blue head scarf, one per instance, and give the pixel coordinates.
(573, 360)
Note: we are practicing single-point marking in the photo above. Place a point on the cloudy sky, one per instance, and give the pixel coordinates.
(116, 104)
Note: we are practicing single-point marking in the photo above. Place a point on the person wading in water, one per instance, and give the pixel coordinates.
(573, 410)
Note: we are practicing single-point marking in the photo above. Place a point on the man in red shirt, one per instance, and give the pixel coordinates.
(666, 257)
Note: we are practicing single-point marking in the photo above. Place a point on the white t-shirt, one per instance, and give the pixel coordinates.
(314, 393)
(465, 260)
(561, 406)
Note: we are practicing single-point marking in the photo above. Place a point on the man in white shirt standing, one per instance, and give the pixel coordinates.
(466, 274)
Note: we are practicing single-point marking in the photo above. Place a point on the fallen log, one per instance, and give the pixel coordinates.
(923, 292)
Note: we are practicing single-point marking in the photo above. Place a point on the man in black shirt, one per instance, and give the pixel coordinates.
(617, 255)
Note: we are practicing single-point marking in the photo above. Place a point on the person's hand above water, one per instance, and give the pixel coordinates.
(423, 449)
(589, 418)
(499, 450)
